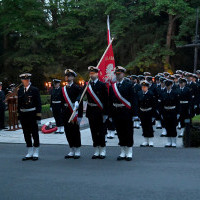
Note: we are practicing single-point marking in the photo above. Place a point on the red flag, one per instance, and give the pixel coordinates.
(107, 65)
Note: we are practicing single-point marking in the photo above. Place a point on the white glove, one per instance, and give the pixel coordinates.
(135, 118)
(105, 117)
(79, 120)
(110, 119)
(178, 116)
(50, 108)
(76, 105)
(39, 122)
(153, 119)
(195, 106)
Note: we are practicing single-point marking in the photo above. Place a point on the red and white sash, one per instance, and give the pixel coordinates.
(94, 97)
(120, 97)
(69, 102)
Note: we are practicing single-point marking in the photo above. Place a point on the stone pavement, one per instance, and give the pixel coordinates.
(17, 137)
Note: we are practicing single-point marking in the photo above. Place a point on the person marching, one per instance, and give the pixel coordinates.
(146, 104)
(97, 112)
(2, 108)
(170, 112)
(55, 105)
(29, 114)
(70, 102)
(123, 105)
(185, 103)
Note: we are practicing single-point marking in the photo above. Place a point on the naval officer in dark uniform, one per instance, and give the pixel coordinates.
(160, 90)
(55, 105)
(123, 110)
(170, 112)
(146, 104)
(71, 94)
(136, 88)
(2, 108)
(185, 99)
(29, 114)
(97, 112)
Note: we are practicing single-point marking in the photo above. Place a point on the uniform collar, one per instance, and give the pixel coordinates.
(162, 88)
(27, 87)
(120, 81)
(145, 92)
(168, 92)
(95, 81)
(69, 85)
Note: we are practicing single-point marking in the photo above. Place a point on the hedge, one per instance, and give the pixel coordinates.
(45, 99)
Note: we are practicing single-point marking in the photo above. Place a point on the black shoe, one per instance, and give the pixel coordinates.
(128, 158)
(35, 158)
(158, 127)
(27, 158)
(3, 128)
(76, 157)
(168, 146)
(102, 157)
(144, 145)
(121, 158)
(162, 135)
(95, 157)
(67, 157)
(61, 132)
(151, 145)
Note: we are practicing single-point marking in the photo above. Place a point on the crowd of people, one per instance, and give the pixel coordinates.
(168, 101)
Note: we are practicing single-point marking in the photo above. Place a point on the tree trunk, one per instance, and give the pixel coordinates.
(169, 37)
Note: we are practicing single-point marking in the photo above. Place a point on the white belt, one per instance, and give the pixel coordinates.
(92, 104)
(117, 105)
(27, 110)
(182, 102)
(169, 107)
(145, 109)
(56, 101)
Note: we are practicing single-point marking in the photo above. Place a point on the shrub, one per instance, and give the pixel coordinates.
(45, 99)
(46, 112)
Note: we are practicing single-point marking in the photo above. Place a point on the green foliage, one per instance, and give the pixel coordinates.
(45, 37)
(46, 112)
(45, 99)
(194, 137)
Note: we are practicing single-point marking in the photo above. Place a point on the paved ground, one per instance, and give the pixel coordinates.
(17, 137)
(154, 174)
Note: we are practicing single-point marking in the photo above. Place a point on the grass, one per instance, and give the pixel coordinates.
(196, 119)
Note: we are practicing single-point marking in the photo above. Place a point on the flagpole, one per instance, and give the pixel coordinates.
(74, 112)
